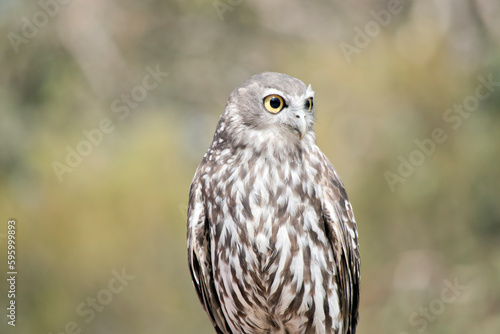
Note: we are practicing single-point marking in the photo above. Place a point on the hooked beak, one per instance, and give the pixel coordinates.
(300, 125)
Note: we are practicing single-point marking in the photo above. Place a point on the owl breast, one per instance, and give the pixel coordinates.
(274, 267)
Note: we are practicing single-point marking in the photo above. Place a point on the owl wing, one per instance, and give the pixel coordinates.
(341, 230)
(199, 257)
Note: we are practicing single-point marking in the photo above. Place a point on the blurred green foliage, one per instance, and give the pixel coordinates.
(124, 204)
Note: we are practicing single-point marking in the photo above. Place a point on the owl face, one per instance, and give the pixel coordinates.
(274, 105)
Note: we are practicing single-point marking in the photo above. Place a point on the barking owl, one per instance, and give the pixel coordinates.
(272, 240)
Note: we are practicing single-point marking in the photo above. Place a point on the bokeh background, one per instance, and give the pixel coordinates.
(380, 87)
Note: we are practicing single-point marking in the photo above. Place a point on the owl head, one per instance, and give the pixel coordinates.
(269, 109)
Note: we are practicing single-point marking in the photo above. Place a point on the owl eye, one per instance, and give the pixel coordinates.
(274, 103)
(309, 104)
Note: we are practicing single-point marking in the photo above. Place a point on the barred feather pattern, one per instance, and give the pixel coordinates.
(272, 239)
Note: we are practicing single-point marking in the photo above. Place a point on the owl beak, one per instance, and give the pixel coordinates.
(300, 125)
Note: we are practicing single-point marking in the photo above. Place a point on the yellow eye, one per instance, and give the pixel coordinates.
(274, 103)
(309, 104)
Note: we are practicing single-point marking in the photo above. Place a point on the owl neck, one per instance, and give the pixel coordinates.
(270, 147)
